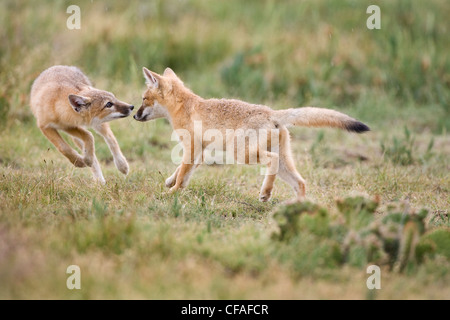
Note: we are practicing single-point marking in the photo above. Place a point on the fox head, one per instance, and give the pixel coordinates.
(100, 105)
(160, 93)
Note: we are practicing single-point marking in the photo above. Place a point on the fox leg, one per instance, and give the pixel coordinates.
(289, 174)
(62, 146)
(272, 161)
(188, 175)
(96, 170)
(267, 187)
(287, 170)
(79, 143)
(119, 160)
(170, 182)
(186, 169)
(85, 141)
(88, 143)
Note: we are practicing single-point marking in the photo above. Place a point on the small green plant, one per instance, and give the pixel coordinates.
(300, 217)
(403, 151)
(436, 241)
(398, 239)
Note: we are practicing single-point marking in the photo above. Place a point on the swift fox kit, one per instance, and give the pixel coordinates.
(62, 98)
(166, 96)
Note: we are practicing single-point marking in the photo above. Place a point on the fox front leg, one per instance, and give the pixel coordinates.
(119, 159)
(184, 171)
(170, 181)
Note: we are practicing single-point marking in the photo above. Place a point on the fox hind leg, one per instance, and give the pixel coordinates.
(77, 137)
(88, 143)
(287, 170)
(79, 143)
(97, 171)
(294, 179)
(62, 146)
(289, 174)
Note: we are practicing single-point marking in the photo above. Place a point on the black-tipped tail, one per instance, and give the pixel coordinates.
(356, 126)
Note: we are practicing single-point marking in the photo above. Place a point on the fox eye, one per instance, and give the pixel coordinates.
(109, 105)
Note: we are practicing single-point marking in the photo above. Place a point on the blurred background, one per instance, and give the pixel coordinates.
(283, 53)
(213, 240)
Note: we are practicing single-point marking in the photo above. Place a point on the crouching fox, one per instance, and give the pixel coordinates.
(63, 98)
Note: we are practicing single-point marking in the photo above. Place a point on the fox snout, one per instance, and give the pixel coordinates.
(125, 110)
(139, 116)
(150, 112)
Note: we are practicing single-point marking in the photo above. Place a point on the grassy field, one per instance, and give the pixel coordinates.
(213, 240)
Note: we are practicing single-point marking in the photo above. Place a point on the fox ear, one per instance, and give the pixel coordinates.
(169, 73)
(152, 79)
(79, 102)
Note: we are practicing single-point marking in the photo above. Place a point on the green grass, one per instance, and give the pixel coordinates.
(214, 240)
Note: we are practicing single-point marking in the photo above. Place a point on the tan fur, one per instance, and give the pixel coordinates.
(166, 96)
(63, 98)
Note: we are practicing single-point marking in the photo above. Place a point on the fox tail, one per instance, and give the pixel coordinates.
(319, 117)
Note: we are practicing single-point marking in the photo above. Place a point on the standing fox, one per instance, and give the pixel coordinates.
(166, 96)
(62, 98)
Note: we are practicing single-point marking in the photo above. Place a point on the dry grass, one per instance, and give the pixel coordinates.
(212, 241)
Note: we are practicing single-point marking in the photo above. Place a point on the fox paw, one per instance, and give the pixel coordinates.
(100, 180)
(122, 165)
(88, 161)
(170, 182)
(174, 189)
(265, 196)
(79, 163)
